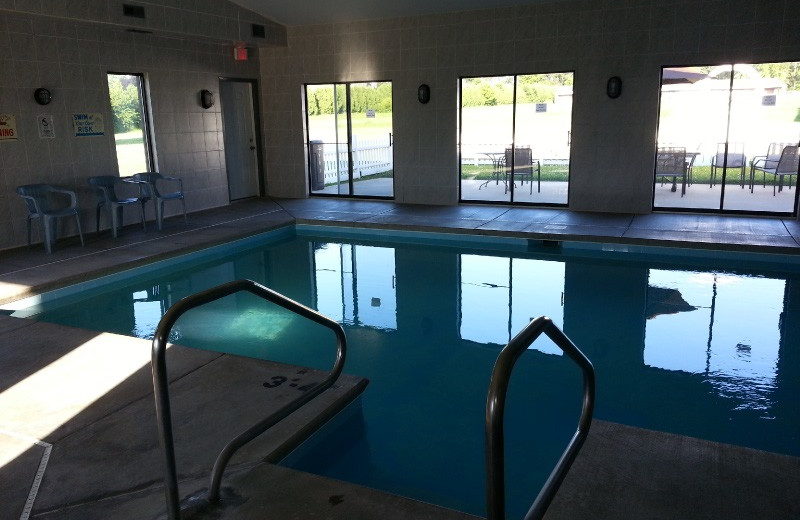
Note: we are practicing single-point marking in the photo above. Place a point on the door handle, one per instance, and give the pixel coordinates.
(252, 147)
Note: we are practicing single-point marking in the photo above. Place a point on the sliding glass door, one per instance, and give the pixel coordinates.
(727, 138)
(515, 134)
(350, 142)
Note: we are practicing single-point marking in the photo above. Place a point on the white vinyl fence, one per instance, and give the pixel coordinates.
(370, 156)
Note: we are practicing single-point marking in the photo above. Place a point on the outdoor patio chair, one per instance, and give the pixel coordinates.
(768, 162)
(786, 165)
(524, 165)
(736, 160)
(671, 163)
(151, 184)
(104, 187)
(49, 203)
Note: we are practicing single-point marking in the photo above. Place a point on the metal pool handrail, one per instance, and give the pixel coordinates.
(495, 406)
(161, 383)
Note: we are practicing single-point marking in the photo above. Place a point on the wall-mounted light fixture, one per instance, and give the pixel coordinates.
(424, 93)
(206, 98)
(614, 87)
(42, 96)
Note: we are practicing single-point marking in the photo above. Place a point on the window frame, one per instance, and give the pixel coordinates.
(348, 111)
(511, 201)
(721, 210)
(144, 98)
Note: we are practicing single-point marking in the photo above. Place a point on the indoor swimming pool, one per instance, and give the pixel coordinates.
(704, 346)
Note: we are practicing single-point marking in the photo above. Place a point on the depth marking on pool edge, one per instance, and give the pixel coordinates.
(37, 479)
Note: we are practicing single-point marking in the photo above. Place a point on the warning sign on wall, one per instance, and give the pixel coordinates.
(46, 128)
(8, 127)
(88, 124)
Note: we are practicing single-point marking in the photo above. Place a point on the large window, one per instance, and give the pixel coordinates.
(131, 125)
(727, 138)
(350, 143)
(515, 134)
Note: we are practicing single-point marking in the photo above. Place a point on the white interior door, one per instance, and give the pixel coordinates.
(241, 147)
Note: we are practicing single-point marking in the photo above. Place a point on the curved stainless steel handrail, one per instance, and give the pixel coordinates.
(161, 382)
(495, 407)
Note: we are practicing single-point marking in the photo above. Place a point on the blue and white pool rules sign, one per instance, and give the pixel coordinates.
(88, 124)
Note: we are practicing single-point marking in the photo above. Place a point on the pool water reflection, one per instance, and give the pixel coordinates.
(695, 351)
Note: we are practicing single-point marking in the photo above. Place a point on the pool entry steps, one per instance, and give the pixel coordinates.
(161, 383)
(495, 405)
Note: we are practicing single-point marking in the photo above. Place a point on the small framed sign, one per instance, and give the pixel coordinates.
(370, 113)
(46, 128)
(88, 124)
(8, 127)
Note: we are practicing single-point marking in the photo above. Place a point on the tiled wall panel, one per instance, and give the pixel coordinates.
(613, 140)
(71, 58)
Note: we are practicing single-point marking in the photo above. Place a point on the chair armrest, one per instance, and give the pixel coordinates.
(72, 196)
(31, 202)
(173, 179)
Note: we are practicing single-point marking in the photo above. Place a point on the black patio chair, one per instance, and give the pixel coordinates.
(671, 164)
(524, 166)
(766, 162)
(736, 160)
(786, 166)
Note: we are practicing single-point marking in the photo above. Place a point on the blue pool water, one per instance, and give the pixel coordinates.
(707, 348)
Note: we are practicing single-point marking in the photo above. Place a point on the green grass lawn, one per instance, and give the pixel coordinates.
(552, 172)
(702, 175)
(131, 156)
(322, 127)
(482, 172)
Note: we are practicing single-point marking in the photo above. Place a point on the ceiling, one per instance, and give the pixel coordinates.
(306, 12)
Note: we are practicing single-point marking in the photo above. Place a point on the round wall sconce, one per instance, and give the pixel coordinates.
(42, 96)
(206, 98)
(614, 87)
(424, 93)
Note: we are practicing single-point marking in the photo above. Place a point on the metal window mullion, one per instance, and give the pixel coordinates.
(513, 135)
(727, 138)
(349, 139)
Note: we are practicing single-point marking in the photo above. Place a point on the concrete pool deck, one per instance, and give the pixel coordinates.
(93, 404)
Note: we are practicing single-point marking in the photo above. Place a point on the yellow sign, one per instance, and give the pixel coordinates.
(8, 127)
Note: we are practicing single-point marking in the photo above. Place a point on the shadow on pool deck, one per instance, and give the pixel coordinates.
(93, 403)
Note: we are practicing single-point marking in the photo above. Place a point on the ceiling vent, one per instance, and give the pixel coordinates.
(259, 31)
(133, 11)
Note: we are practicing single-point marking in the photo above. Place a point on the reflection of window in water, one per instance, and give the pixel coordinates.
(732, 334)
(355, 284)
(148, 307)
(499, 296)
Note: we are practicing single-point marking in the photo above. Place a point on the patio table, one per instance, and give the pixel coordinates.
(498, 163)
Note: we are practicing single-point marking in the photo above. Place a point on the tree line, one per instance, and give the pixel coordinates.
(364, 97)
(492, 91)
(125, 105)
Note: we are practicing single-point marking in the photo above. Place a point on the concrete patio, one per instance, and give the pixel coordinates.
(698, 196)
